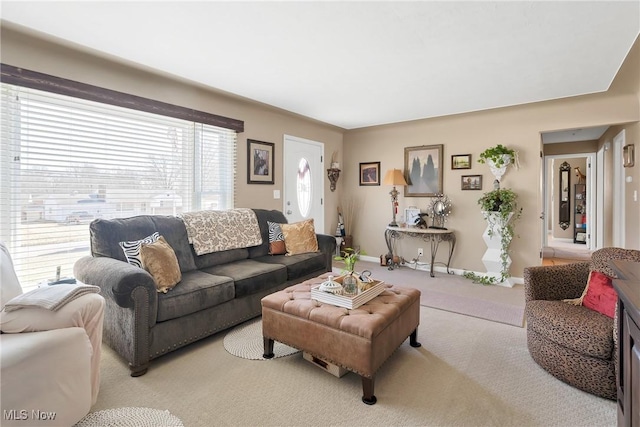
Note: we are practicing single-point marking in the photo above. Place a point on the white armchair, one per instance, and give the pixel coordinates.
(49, 360)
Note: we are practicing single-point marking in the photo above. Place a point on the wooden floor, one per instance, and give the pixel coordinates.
(559, 261)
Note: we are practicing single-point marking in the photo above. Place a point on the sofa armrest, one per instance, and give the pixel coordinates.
(555, 282)
(327, 245)
(117, 278)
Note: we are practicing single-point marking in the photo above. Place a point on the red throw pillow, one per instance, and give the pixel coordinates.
(601, 296)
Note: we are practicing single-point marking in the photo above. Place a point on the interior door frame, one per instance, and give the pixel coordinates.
(318, 181)
(619, 202)
(592, 201)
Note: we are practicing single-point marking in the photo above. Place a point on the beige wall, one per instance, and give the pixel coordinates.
(632, 208)
(517, 127)
(261, 122)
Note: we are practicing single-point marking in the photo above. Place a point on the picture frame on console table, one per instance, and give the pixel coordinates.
(423, 170)
(260, 162)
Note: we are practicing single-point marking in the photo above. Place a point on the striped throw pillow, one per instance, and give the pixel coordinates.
(276, 239)
(132, 249)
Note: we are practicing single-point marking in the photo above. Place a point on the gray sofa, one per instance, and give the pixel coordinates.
(217, 290)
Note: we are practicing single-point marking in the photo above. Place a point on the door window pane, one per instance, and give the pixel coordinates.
(303, 187)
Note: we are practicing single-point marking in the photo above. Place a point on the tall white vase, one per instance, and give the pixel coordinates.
(492, 236)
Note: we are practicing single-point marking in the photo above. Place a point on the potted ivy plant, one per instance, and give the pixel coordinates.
(498, 158)
(500, 209)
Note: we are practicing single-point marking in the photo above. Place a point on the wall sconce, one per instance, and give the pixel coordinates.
(394, 177)
(333, 174)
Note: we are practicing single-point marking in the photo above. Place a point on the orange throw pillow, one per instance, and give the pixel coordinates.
(300, 237)
(160, 261)
(601, 296)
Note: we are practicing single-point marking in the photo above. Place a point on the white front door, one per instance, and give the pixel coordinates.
(303, 181)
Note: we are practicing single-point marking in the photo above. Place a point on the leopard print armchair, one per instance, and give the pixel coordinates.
(573, 343)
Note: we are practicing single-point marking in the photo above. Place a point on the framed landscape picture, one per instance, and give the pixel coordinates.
(461, 161)
(423, 170)
(370, 173)
(471, 182)
(259, 162)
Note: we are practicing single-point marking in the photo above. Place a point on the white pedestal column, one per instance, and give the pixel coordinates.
(492, 236)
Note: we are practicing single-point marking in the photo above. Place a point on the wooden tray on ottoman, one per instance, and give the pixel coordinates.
(345, 301)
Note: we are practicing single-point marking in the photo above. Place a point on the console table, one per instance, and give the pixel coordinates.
(432, 235)
(628, 363)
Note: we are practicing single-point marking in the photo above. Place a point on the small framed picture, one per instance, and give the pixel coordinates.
(461, 161)
(370, 173)
(259, 162)
(471, 182)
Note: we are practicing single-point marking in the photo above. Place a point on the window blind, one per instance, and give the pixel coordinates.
(66, 161)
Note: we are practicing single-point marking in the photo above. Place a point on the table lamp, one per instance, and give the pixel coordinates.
(394, 177)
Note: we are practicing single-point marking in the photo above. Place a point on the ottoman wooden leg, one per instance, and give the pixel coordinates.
(367, 391)
(268, 348)
(413, 339)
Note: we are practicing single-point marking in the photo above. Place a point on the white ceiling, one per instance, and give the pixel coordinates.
(573, 135)
(356, 64)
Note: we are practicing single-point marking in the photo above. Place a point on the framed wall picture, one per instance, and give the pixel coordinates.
(471, 182)
(461, 161)
(260, 161)
(423, 170)
(370, 173)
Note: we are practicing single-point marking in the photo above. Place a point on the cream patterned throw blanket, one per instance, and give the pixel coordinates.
(214, 231)
(50, 297)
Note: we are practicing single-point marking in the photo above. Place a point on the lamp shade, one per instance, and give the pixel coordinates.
(394, 177)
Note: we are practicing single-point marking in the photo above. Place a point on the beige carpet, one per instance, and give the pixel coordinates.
(468, 372)
(454, 293)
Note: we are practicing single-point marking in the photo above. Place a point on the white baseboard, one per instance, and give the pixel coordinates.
(424, 266)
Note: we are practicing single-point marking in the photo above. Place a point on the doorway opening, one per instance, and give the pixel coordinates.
(569, 220)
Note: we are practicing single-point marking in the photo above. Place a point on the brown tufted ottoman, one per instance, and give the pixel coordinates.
(359, 340)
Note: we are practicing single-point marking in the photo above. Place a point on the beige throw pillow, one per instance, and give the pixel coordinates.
(300, 237)
(160, 261)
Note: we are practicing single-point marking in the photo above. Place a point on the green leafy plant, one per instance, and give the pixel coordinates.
(496, 155)
(503, 200)
(349, 258)
(500, 209)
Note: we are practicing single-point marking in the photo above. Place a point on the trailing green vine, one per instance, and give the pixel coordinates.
(500, 210)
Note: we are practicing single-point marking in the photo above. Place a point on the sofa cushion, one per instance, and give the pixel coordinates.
(251, 276)
(299, 265)
(263, 216)
(160, 261)
(197, 291)
(575, 327)
(300, 237)
(217, 258)
(9, 284)
(106, 234)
